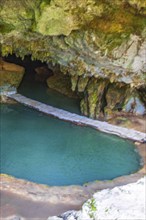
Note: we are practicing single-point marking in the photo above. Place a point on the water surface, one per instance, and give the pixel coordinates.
(46, 150)
(40, 92)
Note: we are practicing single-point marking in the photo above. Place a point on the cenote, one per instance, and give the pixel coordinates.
(46, 150)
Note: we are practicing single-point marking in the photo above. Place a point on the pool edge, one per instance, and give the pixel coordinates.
(75, 194)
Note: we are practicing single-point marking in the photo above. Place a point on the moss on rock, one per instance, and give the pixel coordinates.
(62, 84)
(100, 40)
(93, 102)
(82, 83)
(115, 98)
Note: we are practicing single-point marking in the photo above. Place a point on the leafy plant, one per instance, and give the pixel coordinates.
(92, 208)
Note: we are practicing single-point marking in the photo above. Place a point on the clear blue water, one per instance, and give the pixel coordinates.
(42, 93)
(46, 150)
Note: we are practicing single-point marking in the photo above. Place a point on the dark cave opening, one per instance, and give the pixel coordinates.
(31, 67)
(34, 84)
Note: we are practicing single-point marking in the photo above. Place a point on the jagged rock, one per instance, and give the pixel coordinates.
(123, 202)
(63, 17)
(94, 98)
(111, 204)
(70, 215)
(96, 39)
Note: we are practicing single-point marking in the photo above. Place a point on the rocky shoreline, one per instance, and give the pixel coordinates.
(73, 195)
(119, 203)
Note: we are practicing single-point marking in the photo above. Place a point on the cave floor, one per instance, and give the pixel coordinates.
(14, 205)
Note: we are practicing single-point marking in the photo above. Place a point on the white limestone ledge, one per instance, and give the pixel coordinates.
(120, 203)
(80, 120)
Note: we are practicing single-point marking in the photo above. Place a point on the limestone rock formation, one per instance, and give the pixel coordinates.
(42, 73)
(99, 44)
(10, 75)
(123, 202)
(62, 84)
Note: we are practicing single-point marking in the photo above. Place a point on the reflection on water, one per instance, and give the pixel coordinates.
(42, 93)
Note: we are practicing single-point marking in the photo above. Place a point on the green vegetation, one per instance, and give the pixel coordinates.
(95, 42)
(92, 208)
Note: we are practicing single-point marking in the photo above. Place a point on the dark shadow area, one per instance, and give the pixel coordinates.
(29, 65)
(34, 84)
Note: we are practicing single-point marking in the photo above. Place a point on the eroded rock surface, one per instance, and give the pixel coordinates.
(100, 44)
(10, 78)
(62, 84)
(121, 203)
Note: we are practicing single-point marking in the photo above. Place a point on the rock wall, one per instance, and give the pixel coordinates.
(10, 75)
(100, 44)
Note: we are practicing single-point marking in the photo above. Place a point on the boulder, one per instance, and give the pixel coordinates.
(10, 75)
(61, 83)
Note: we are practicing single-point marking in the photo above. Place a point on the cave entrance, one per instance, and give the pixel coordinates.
(42, 84)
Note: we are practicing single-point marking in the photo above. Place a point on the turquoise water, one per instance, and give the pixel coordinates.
(42, 93)
(46, 150)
